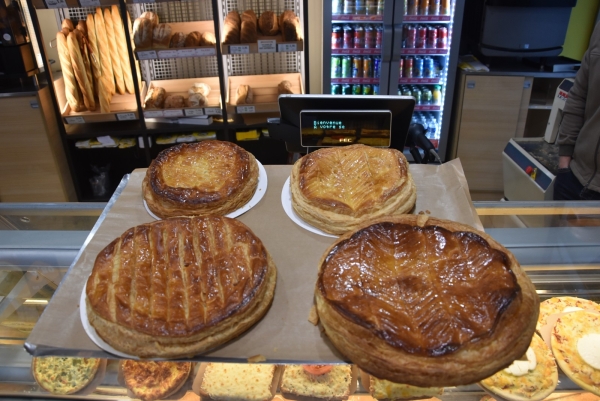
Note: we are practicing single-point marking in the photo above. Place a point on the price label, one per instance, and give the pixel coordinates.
(239, 49)
(126, 116)
(56, 3)
(147, 55)
(267, 46)
(193, 112)
(167, 53)
(89, 3)
(212, 111)
(287, 47)
(206, 51)
(186, 53)
(143, 1)
(173, 113)
(245, 109)
(74, 120)
(153, 113)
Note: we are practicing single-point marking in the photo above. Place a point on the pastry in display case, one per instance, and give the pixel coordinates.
(319, 382)
(235, 381)
(385, 390)
(66, 375)
(154, 380)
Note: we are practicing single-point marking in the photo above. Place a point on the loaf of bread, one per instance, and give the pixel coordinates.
(82, 27)
(174, 102)
(192, 39)
(67, 23)
(268, 23)
(83, 49)
(195, 100)
(104, 52)
(284, 87)
(177, 40)
(249, 28)
(208, 39)
(93, 47)
(161, 37)
(79, 71)
(244, 95)
(151, 16)
(122, 48)
(289, 24)
(114, 52)
(155, 98)
(231, 28)
(71, 89)
(104, 96)
(200, 87)
(142, 33)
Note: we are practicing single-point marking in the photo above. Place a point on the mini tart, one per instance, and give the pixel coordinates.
(200, 179)
(535, 385)
(559, 304)
(338, 189)
(152, 380)
(384, 390)
(569, 329)
(336, 385)
(62, 375)
(179, 287)
(425, 302)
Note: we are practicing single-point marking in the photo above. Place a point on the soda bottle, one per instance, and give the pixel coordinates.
(372, 7)
(349, 6)
(417, 95)
(401, 67)
(348, 37)
(376, 89)
(336, 89)
(418, 67)
(361, 7)
(433, 127)
(336, 67)
(376, 66)
(380, 6)
(359, 37)
(427, 96)
(346, 67)
(412, 7)
(357, 67)
(437, 95)
(423, 7)
(367, 67)
(435, 7)
(337, 37)
(357, 89)
(337, 6)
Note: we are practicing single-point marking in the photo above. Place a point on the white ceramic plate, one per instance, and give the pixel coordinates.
(286, 202)
(261, 188)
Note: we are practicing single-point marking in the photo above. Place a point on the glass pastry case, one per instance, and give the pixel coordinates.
(557, 243)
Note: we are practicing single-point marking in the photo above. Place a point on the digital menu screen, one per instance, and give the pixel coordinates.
(326, 128)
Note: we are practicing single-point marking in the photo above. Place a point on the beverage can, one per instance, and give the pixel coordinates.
(346, 67)
(367, 89)
(337, 6)
(408, 67)
(372, 7)
(428, 68)
(423, 7)
(359, 37)
(431, 37)
(336, 67)
(361, 7)
(427, 96)
(411, 37)
(376, 66)
(380, 7)
(378, 37)
(412, 7)
(376, 89)
(367, 67)
(337, 37)
(346, 89)
(442, 37)
(437, 95)
(357, 67)
(370, 37)
(434, 7)
(349, 6)
(421, 40)
(418, 67)
(357, 89)
(445, 7)
(336, 89)
(348, 40)
(401, 69)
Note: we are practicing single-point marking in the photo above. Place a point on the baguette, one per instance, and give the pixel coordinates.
(231, 28)
(104, 52)
(114, 52)
(104, 95)
(67, 23)
(93, 50)
(268, 23)
(249, 27)
(79, 71)
(83, 48)
(71, 91)
(82, 27)
(122, 48)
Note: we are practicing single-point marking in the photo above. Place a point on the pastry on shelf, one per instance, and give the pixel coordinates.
(244, 95)
(239, 381)
(249, 27)
(385, 390)
(557, 305)
(284, 87)
(143, 30)
(177, 40)
(208, 39)
(192, 39)
(161, 36)
(201, 88)
(195, 100)
(154, 380)
(289, 25)
(152, 16)
(231, 28)
(155, 98)
(268, 23)
(64, 375)
(174, 102)
(319, 382)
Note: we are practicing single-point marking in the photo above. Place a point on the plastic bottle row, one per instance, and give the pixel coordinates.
(356, 36)
(355, 66)
(347, 89)
(430, 123)
(427, 7)
(424, 36)
(368, 7)
(420, 67)
(424, 95)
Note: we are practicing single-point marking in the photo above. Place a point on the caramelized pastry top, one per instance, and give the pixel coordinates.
(426, 290)
(200, 173)
(352, 180)
(178, 276)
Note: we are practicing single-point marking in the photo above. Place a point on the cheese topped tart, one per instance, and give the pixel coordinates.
(62, 375)
(338, 189)
(384, 390)
(533, 378)
(150, 380)
(555, 305)
(239, 381)
(199, 179)
(576, 346)
(323, 382)
(423, 301)
(180, 286)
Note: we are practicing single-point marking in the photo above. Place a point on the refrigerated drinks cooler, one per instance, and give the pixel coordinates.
(386, 47)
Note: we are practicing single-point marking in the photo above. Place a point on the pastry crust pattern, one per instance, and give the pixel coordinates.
(424, 301)
(178, 287)
(338, 189)
(154, 380)
(200, 179)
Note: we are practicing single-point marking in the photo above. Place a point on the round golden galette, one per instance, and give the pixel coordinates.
(424, 301)
(555, 305)
(338, 189)
(200, 179)
(178, 287)
(154, 380)
(64, 375)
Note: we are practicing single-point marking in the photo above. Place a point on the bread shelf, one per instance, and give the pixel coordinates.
(45, 4)
(264, 89)
(185, 27)
(265, 44)
(181, 87)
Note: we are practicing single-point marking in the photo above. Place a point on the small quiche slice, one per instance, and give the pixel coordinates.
(576, 346)
(385, 390)
(62, 375)
(563, 304)
(151, 380)
(533, 379)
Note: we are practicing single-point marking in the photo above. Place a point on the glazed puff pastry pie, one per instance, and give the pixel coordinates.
(425, 302)
(338, 189)
(180, 286)
(200, 179)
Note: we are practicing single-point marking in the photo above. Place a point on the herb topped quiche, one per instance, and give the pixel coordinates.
(62, 375)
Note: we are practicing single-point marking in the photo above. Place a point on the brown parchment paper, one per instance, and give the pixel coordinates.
(284, 334)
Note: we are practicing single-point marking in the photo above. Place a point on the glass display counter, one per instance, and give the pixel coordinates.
(558, 244)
